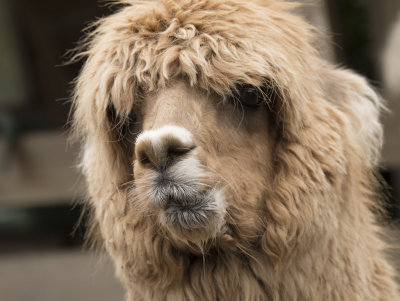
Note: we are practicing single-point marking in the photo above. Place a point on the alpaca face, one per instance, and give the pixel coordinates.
(201, 165)
(195, 162)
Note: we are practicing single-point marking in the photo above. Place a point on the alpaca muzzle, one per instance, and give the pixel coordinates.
(177, 186)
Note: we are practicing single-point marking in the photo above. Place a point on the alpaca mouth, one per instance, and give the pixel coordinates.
(190, 214)
(189, 206)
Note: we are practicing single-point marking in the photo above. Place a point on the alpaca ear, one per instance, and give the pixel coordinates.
(361, 105)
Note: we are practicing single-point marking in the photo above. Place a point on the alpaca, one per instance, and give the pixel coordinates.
(225, 160)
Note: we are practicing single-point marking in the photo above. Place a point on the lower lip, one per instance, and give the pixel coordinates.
(191, 215)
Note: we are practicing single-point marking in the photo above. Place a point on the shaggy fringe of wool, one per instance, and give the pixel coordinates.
(316, 237)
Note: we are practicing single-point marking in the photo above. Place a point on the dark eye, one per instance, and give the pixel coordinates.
(112, 115)
(132, 119)
(123, 126)
(248, 96)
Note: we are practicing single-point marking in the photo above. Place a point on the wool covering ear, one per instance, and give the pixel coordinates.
(361, 105)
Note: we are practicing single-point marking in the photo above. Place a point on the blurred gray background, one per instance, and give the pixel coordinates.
(41, 255)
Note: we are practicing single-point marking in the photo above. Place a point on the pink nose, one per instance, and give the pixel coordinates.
(160, 148)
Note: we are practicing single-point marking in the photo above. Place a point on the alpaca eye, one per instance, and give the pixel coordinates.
(131, 122)
(249, 96)
(124, 127)
(132, 118)
(112, 115)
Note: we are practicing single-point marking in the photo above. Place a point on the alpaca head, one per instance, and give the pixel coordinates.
(198, 156)
(215, 123)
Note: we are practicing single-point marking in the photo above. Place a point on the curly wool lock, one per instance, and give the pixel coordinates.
(198, 197)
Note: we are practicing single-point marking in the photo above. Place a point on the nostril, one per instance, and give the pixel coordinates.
(173, 151)
(143, 158)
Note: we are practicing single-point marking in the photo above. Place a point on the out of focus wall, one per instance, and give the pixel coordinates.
(389, 52)
(39, 170)
(37, 166)
(316, 12)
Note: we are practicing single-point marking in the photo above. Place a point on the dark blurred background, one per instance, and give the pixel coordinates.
(41, 257)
